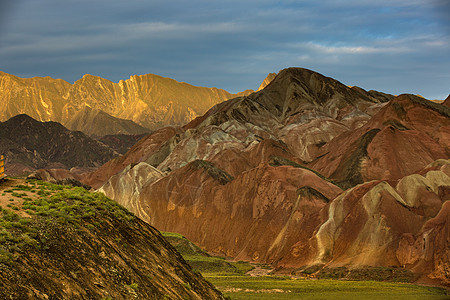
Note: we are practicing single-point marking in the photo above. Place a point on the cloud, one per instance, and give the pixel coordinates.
(353, 50)
(386, 45)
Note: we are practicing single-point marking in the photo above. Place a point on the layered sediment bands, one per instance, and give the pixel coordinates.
(305, 171)
(152, 149)
(261, 207)
(126, 186)
(383, 223)
(403, 137)
(364, 225)
(428, 251)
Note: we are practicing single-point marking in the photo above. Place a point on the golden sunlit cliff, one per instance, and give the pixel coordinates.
(149, 100)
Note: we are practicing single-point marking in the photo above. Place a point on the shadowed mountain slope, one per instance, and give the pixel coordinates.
(97, 123)
(33, 144)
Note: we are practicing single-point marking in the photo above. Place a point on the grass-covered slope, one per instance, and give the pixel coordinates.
(62, 242)
(201, 261)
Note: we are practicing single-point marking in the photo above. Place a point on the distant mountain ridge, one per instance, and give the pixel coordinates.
(29, 144)
(97, 123)
(149, 100)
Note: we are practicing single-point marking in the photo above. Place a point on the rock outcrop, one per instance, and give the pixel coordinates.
(447, 101)
(267, 80)
(403, 137)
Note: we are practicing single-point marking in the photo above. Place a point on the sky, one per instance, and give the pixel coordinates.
(393, 46)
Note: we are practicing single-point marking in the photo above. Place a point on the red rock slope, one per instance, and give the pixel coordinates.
(306, 171)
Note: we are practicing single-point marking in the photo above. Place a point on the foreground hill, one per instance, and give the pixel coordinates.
(149, 100)
(29, 144)
(60, 242)
(305, 172)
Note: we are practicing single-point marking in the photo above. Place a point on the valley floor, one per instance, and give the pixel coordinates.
(273, 287)
(242, 280)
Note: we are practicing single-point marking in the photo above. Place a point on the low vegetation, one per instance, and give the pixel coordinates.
(392, 274)
(64, 242)
(272, 287)
(45, 203)
(202, 262)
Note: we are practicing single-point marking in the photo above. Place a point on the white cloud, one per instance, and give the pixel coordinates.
(318, 48)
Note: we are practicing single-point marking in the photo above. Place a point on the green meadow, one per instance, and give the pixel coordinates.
(272, 287)
(231, 279)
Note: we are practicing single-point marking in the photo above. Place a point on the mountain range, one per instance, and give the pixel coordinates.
(100, 107)
(305, 172)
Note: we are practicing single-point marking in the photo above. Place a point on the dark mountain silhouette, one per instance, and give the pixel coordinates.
(31, 144)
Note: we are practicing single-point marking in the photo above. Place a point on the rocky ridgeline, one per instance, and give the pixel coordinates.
(99, 107)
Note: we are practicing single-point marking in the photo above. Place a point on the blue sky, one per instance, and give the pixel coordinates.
(394, 46)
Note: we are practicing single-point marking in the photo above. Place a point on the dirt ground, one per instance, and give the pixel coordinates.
(7, 199)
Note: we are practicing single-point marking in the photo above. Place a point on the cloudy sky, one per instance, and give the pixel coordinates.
(394, 46)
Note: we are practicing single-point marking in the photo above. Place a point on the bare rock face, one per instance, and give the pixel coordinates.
(427, 251)
(300, 108)
(126, 186)
(38, 97)
(151, 149)
(381, 223)
(267, 80)
(446, 101)
(264, 206)
(148, 100)
(402, 138)
(306, 171)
